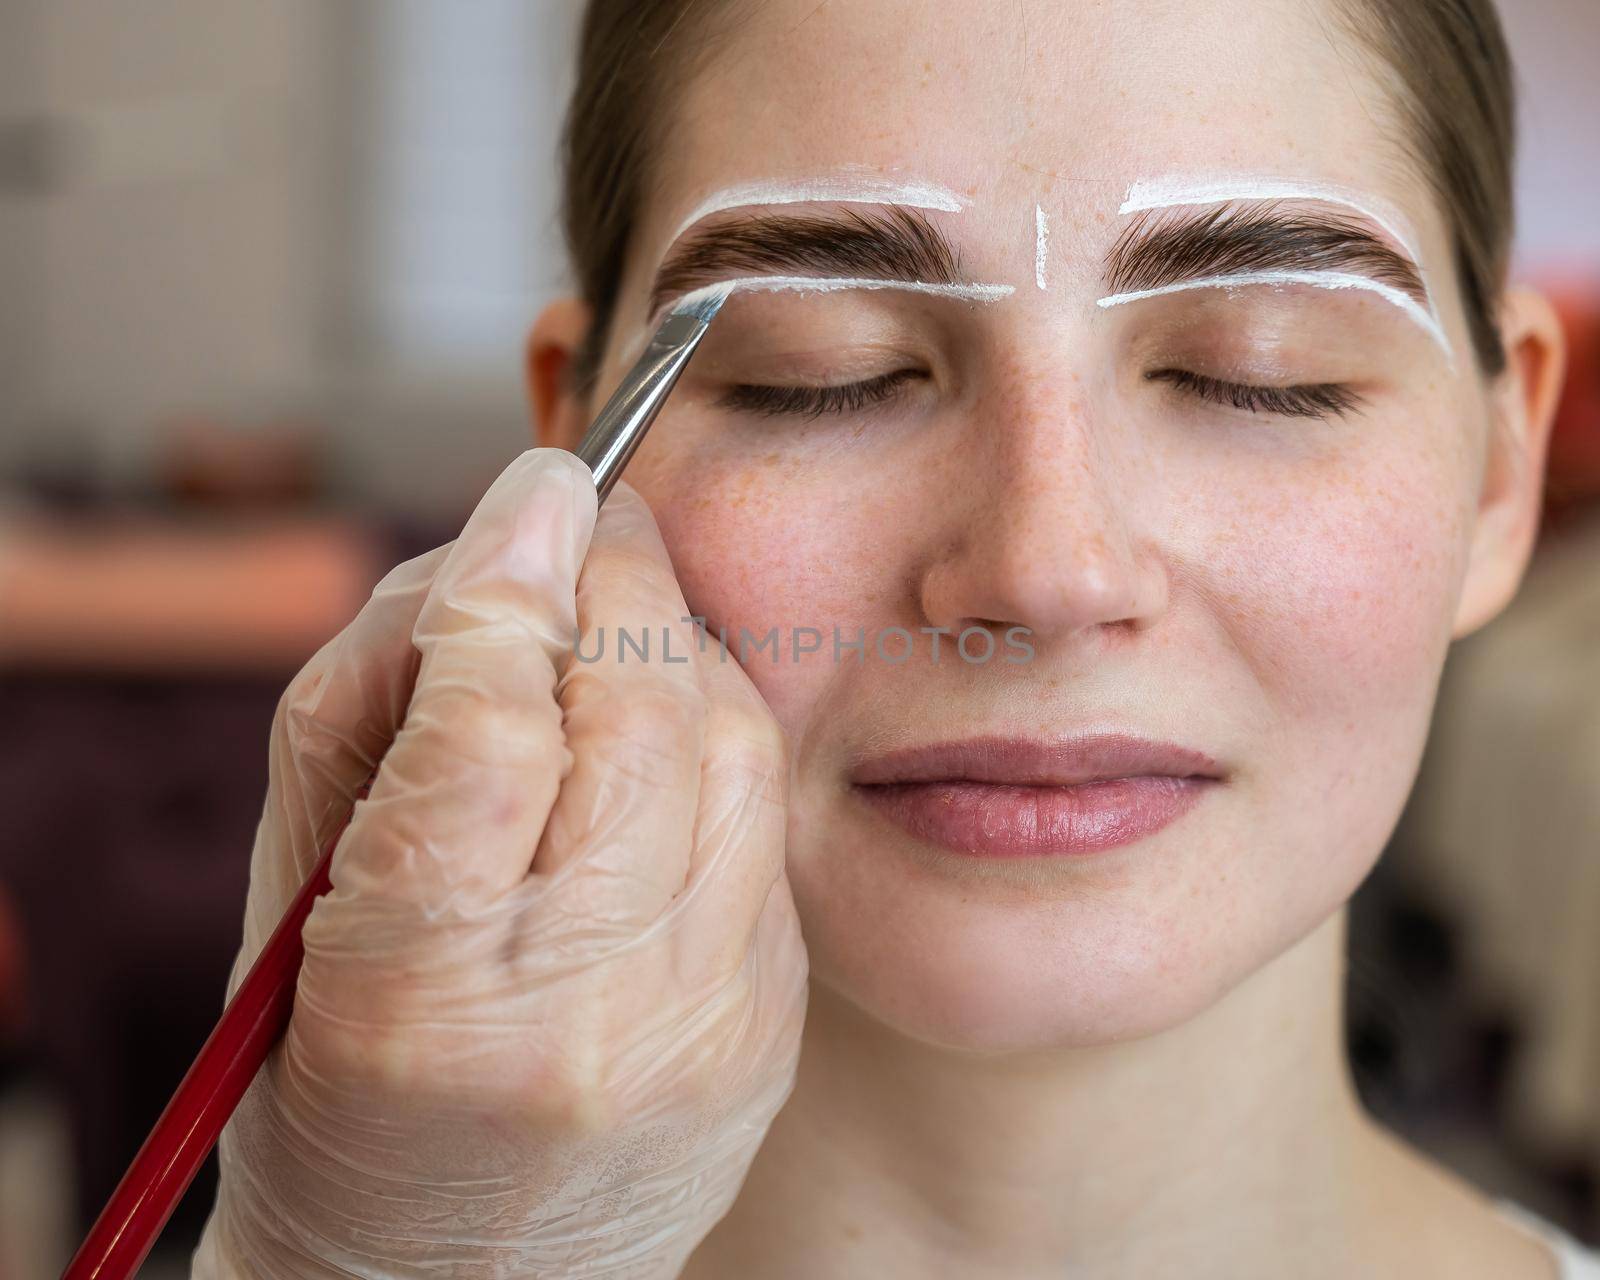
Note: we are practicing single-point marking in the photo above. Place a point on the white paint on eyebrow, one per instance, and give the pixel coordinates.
(1318, 279)
(815, 284)
(1172, 192)
(843, 188)
(1041, 244)
(834, 284)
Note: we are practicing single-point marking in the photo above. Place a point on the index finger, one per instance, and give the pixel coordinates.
(458, 805)
(332, 724)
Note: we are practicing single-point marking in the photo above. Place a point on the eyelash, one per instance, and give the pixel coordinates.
(814, 402)
(1313, 400)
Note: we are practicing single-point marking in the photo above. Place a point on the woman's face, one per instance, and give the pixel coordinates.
(1269, 579)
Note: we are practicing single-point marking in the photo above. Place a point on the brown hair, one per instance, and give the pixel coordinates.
(1445, 62)
(1450, 78)
(633, 56)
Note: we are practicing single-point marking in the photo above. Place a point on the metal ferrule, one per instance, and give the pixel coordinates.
(620, 426)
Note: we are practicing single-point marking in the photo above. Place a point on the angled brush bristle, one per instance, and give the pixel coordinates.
(704, 303)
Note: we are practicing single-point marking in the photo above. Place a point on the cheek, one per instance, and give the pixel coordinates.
(766, 542)
(1340, 581)
(1338, 590)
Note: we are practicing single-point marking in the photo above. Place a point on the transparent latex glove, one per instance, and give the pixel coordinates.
(555, 996)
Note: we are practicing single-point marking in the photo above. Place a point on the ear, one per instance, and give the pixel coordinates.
(560, 413)
(1523, 401)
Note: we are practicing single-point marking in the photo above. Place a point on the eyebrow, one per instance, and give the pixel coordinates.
(1263, 242)
(892, 245)
(1165, 193)
(1159, 249)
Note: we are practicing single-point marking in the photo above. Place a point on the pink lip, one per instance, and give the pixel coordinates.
(1011, 797)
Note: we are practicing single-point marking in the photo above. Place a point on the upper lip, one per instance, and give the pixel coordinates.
(1026, 762)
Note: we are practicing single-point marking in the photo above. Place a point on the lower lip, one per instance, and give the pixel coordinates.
(988, 820)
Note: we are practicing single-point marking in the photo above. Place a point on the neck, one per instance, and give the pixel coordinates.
(1231, 1140)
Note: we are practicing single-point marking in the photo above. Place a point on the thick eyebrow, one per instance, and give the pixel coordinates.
(894, 244)
(1163, 248)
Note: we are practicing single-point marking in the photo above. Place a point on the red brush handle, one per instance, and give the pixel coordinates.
(189, 1127)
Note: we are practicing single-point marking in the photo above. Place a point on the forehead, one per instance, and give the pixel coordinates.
(1065, 102)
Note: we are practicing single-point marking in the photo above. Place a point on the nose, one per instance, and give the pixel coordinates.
(1040, 530)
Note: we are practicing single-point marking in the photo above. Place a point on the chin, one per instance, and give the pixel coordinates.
(948, 965)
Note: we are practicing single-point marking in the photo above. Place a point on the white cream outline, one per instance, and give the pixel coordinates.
(811, 284)
(1041, 244)
(834, 284)
(1169, 193)
(1318, 279)
(841, 188)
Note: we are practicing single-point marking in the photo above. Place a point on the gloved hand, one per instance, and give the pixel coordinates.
(555, 996)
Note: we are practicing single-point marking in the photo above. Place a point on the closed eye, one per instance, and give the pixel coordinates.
(814, 401)
(1309, 400)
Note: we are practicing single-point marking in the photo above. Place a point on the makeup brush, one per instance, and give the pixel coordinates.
(259, 1012)
(617, 430)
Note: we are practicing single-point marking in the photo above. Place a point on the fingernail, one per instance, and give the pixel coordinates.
(583, 499)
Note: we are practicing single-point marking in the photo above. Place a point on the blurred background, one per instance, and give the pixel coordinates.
(265, 273)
